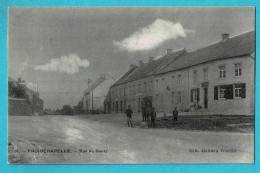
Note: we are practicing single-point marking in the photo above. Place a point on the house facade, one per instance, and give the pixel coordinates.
(138, 83)
(217, 79)
(99, 89)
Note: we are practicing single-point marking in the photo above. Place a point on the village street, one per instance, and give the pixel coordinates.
(117, 143)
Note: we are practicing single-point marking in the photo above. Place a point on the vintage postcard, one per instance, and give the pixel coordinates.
(131, 85)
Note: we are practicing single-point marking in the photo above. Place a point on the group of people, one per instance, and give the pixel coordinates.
(148, 112)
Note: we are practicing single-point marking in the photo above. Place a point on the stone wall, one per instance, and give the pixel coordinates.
(19, 107)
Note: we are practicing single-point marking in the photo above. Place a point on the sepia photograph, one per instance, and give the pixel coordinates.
(131, 85)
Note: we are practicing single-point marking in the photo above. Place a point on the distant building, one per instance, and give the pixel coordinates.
(218, 78)
(28, 104)
(100, 90)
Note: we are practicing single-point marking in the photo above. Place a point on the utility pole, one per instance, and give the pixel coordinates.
(89, 80)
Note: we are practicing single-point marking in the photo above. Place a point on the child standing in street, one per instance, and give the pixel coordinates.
(129, 113)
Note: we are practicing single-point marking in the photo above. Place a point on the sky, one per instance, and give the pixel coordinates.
(60, 48)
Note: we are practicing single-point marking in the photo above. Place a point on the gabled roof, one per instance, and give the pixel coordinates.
(240, 45)
(131, 70)
(150, 68)
(95, 84)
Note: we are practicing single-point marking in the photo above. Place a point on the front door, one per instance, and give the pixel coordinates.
(121, 106)
(117, 107)
(205, 98)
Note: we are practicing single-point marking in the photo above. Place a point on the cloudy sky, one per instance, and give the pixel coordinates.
(60, 48)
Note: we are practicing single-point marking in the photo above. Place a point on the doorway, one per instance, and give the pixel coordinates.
(205, 98)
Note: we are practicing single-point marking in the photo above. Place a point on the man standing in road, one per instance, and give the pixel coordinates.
(153, 117)
(144, 112)
(175, 114)
(128, 113)
(148, 111)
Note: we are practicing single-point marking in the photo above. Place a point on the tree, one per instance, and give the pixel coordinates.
(16, 91)
(67, 110)
(79, 108)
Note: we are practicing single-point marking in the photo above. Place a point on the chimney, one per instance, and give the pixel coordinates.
(131, 66)
(151, 59)
(225, 36)
(169, 51)
(141, 62)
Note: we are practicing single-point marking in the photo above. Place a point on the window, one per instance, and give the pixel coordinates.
(144, 86)
(173, 98)
(238, 70)
(124, 90)
(222, 92)
(162, 98)
(139, 87)
(240, 90)
(163, 82)
(179, 79)
(157, 99)
(179, 97)
(130, 90)
(195, 76)
(195, 95)
(205, 74)
(139, 104)
(133, 89)
(173, 78)
(157, 83)
(222, 72)
(151, 88)
(230, 91)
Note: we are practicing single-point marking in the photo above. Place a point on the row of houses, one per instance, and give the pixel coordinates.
(216, 79)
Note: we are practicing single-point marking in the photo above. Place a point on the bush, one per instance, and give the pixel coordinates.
(16, 91)
(186, 110)
(67, 110)
(198, 107)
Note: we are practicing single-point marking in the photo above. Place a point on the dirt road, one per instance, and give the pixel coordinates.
(94, 142)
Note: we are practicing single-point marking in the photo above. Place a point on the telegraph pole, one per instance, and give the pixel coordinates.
(89, 80)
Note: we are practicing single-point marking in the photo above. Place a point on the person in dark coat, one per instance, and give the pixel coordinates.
(148, 112)
(175, 114)
(144, 112)
(153, 117)
(129, 113)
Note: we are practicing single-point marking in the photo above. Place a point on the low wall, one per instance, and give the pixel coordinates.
(19, 107)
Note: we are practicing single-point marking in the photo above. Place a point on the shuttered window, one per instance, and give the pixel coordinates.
(240, 90)
(230, 91)
(215, 92)
(195, 95)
